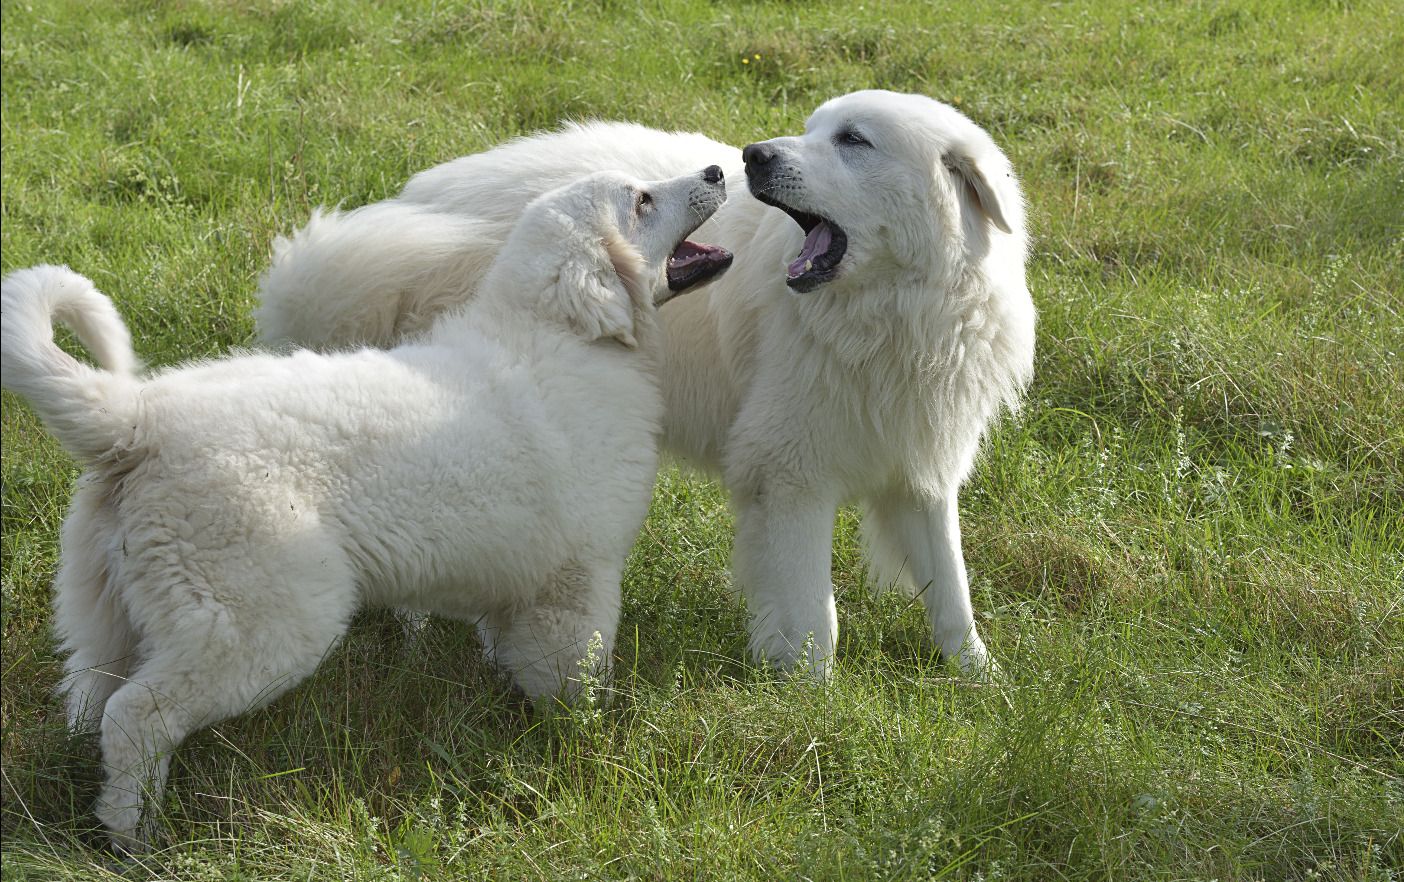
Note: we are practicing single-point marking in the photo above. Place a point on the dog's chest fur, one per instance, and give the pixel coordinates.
(918, 376)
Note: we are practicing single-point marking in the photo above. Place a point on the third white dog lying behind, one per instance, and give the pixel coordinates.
(235, 514)
(875, 323)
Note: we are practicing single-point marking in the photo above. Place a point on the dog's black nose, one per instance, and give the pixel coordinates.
(712, 174)
(757, 154)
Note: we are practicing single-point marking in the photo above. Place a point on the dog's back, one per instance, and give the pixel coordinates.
(385, 272)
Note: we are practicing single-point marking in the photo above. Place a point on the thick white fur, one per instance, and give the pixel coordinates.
(875, 387)
(234, 514)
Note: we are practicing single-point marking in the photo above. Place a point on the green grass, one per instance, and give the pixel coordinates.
(1187, 553)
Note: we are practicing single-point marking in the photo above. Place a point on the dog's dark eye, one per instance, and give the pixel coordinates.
(853, 139)
(645, 201)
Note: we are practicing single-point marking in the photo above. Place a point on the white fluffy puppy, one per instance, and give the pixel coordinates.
(235, 514)
(858, 350)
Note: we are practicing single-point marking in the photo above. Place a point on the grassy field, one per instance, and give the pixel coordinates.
(1187, 553)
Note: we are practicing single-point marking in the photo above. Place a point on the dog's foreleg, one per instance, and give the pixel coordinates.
(927, 535)
(562, 644)
(781, 563)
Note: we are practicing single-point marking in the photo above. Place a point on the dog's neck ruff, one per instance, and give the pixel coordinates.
(920, 364)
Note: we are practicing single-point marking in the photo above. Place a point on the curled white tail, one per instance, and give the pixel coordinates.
(89, 410)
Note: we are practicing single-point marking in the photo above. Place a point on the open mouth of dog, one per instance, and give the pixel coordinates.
(693, 263)
(825, 244)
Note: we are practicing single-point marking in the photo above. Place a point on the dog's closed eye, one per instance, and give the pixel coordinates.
(852, 138)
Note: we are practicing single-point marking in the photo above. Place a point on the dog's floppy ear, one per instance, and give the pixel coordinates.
(599, 286)
(983, 188)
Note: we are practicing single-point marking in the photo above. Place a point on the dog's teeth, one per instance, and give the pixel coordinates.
(808, 265)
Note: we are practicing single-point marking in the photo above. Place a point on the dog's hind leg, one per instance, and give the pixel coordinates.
(220, 648)
(181, 690)
(88, 614)
(145, 720)
(565, 640)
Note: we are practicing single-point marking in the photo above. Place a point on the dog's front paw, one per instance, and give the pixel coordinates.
(977, 664)
(806, 657)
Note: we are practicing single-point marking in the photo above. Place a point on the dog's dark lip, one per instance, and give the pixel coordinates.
(806, 220)
(821, 268)
(693, 263)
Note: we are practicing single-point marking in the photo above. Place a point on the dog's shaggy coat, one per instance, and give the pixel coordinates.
(235, 514)
(913, 328)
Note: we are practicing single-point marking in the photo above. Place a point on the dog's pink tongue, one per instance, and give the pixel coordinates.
(815, 244)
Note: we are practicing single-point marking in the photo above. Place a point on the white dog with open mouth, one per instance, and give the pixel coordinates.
(236, 513)
(858, 349)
